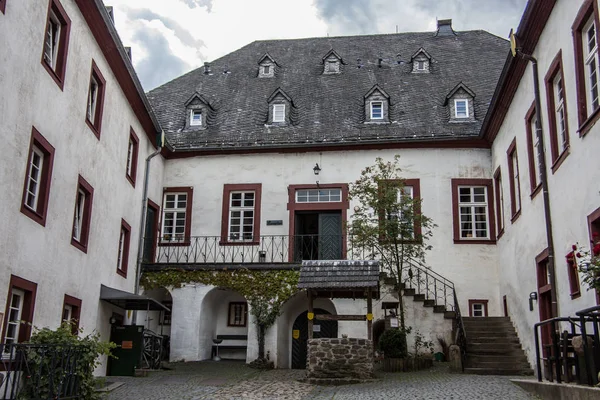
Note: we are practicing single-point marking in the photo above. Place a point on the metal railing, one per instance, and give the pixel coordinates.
(41, 372)
(555, 353)
(152, 350)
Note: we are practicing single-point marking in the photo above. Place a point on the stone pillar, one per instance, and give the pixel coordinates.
(455, 359)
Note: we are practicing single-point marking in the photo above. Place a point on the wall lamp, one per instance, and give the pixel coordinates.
(316, 169)
(532, 296)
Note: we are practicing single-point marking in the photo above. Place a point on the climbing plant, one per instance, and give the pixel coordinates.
(265, 291)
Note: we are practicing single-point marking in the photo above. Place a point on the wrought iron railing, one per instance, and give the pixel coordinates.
(460, 337)
(152, 350)
(41, 372)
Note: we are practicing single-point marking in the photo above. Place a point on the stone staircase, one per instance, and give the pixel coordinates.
(493, 347)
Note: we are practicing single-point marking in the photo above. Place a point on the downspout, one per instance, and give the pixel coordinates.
(544, 181)
(140, 256)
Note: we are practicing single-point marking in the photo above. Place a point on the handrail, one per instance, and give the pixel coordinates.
(461, 333)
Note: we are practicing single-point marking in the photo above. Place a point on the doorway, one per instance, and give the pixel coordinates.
(318, 235)
(321, 329)
(150, 230)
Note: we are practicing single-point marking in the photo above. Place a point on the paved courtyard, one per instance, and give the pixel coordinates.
(228, 380)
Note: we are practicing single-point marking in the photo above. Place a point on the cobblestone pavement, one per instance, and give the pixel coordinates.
(235, 381)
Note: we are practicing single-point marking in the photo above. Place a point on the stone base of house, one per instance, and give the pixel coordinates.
(339, 361)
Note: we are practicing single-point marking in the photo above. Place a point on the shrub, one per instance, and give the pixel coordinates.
(393, 343)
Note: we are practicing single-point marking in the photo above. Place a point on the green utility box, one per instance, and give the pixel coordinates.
(128, 353)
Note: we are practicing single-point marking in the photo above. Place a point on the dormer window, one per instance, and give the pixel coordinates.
(266, 69)
(376, 110)
(331, 63)
(420, 65)
(278, 112)
(195, 117)
(266, 66)
(421, 61)
(461, 108)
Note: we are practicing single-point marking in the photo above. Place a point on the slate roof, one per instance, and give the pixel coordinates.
(330, 107)
(339, 274)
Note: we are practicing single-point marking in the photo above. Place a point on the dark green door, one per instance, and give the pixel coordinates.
(330, 236)
(128, 352)
(150, 232)
(321, 329)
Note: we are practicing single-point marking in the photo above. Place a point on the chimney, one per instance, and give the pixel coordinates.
(206, 68)
(444, 28)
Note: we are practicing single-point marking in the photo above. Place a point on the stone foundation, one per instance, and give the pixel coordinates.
(331, 361)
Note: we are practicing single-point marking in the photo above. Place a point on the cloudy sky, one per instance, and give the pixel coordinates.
(171, 37)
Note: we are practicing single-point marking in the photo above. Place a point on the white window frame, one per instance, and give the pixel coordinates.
(69, 311)
(591, 68)
(516, 180)
(472, 205)
(266, 69)
(330, 195)
(178, 214)
(456, 101)
(332, 66)
(92, 103)
(34, 178)
(474, 311)
(278, 112)
(79, 214)
(406, 190)
(500, 206)
(244, 213)
(374, 103)
(561, 122)
(536, 155)
(16, 323)
(195, 122)
(52, 41)
(130, 149)
(421, 65)
(121, 249)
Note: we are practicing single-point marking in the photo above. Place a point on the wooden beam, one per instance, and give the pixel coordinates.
(329, 317)
(370, 313)
(310, 311)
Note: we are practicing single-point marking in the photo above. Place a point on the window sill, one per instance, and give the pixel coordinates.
(474, 241)
(575, 295)
(131, 180)
(39, 218)
(122, 273)
(93, 128)
(79, 245)
(585, 127)
(239, 243)
(515, 217)
(53, 74)
(181, 244)
(536, 190)
(560, 160)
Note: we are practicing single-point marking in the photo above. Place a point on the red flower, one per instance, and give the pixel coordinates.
(578, 255)
(574, 247)
(596, 249)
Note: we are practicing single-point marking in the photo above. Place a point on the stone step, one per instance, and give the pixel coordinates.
(488, 328)
(496, 358)
(488, 319)
(429, 303)
(490, 333)
(450, 315)
(439, 309)
(419, 297)
(490, 348)
(503, 365)
(498, 371)
(494, 339)
(409, 292)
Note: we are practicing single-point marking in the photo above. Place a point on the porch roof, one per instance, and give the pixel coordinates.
(130, 301)
(342, 278)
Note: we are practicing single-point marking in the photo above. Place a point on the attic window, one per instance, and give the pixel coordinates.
(420, 65)
(195, 117)
(278, 112)
(332, 67)
(461, 108)
(376, 110)
(266, 69)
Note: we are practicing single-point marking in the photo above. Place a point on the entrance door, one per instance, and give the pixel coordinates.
(321, 329)
(318, 236)
(128, 352)
(150, 232)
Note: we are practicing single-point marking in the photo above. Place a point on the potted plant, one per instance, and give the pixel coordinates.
(393, 345)
(588, 264)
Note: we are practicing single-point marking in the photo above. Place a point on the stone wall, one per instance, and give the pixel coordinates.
(340, 359)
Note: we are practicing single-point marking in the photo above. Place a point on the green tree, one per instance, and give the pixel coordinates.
(387, 223)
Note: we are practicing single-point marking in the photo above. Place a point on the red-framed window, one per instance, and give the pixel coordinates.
(238, 314)
(132, 157)
(38, 177)
(71, 311)
(557, 112)
(410, 189)
(473, 211)
(95, 100)
(20, 305)
(176, 218)
(514, 181)
(499, 192)
(82, 215)
(56, 42)
(478, 308)
(594, 231)
(535, 180)
(240, 219)
(587, 67)
(123, 250)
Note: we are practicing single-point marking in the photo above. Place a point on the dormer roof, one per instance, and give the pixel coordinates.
(266, 56)
(196, 96)
(377, 88)
(277, 92)
(456, 89)
(331, 52)
(420, 51)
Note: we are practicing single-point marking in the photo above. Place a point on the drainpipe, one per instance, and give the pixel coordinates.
(544, 180)
(140, 256)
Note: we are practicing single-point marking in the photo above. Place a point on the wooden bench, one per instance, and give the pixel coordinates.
(228, 343)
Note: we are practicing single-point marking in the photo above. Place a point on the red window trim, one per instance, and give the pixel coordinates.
(58, 75)
(586, 121)
(87, 214)
(499, 204)
(227, 189)
(96, 125)
(491, 213)
(535, 186)
(30, 289)
(125, 256)
(556, 68)
(75, 303)
(542, 281)
(188, 215)
(134, 157)
(593, 221)
(2, 6)
(231, 303)
(510, 153)
(416, 185)
(478, 301)
(39, 215)
(156, 234)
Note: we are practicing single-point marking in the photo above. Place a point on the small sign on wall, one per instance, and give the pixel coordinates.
(394, 322)
(127, 344)
(316, 328)
(271, 222)
(296, 333)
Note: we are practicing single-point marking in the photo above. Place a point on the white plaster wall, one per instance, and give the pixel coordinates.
(472, 267)
(31, 98)
(573, 188)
